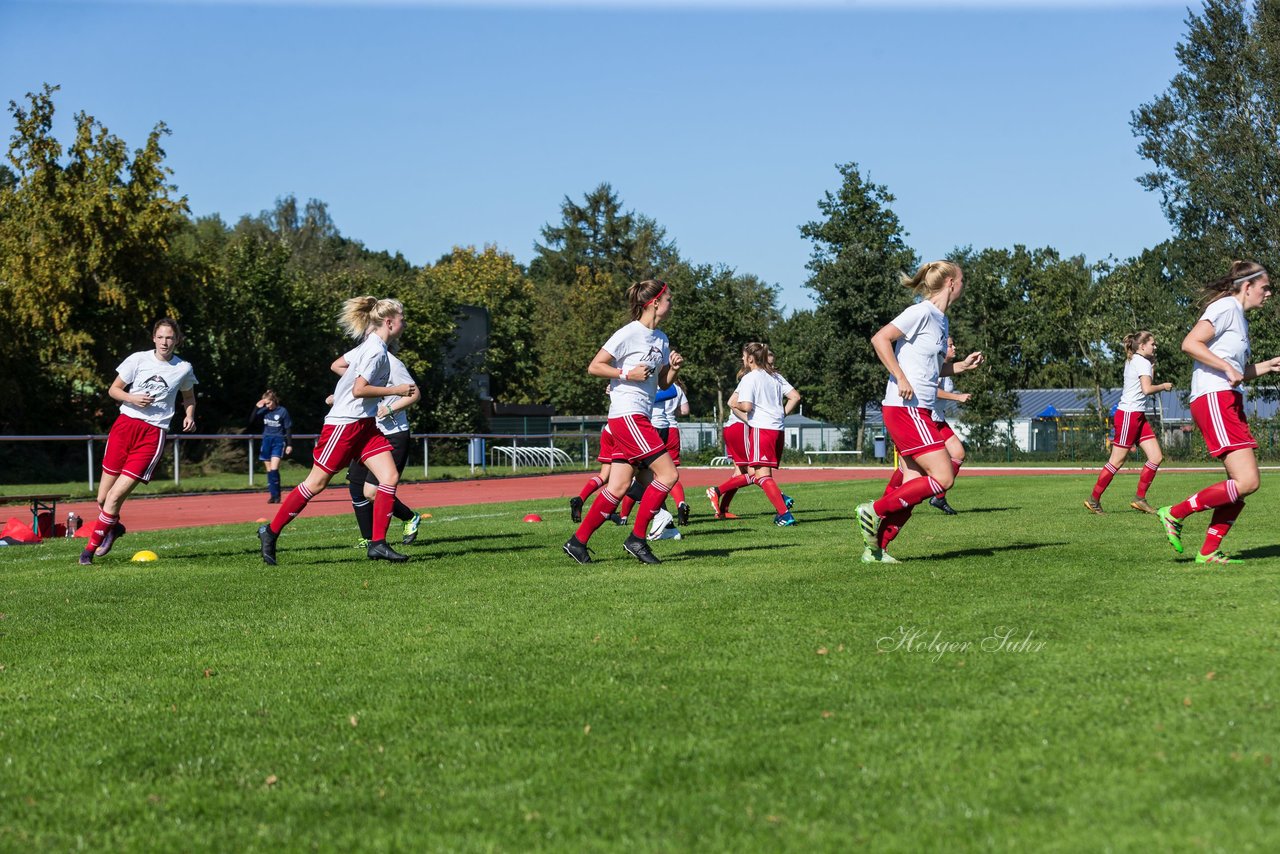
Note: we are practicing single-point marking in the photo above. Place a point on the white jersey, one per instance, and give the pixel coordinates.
(764, 393)
(396, 422)
(948, 385)
(1132, 397)
(1230, 342)
(370, 361)
(632, 345)
(924, 336)
(143, 373)
(664, 412)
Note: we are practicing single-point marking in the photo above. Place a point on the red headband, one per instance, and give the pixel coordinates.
(662, 290)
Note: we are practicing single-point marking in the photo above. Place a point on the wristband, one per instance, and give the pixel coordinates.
(622, 373)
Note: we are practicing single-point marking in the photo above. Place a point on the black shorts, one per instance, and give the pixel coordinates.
(357, 472)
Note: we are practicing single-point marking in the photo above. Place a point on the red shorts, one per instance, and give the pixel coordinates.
(764, 447)
(673, 443)
(339, 444)
(1131, 428)
(735, 443)
(606, 445)
(133, 448)
(943, 428)
(635, 440)
(1220, 417)
(912, 430)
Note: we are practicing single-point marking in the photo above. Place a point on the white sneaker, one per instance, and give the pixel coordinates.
(669, 533)
(661, 520)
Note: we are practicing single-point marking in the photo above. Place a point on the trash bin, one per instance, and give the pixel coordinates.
(475, 453)
(879, 446)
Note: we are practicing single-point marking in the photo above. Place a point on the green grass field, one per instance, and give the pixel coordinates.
(760, 690)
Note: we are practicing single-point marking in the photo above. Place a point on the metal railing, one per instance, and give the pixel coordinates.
(518, 449)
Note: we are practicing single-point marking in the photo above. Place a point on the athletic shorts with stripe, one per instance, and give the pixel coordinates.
(339, 444)
(1221, 419)
(735, 443)
(943, 428)
(606, 445)
(635, 440)
(1130, 428)
(133, 448)
(764, 447)
(912, 430)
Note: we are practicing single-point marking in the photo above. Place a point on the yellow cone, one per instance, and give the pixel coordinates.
(145, 555)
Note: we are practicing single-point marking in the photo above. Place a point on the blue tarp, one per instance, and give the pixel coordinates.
(1049, 411)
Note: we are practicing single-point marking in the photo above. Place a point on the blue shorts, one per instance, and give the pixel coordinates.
(272, 446)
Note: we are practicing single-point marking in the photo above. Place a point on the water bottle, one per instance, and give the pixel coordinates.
(73, 524)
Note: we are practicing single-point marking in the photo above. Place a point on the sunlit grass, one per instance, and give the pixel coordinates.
(1029, 677)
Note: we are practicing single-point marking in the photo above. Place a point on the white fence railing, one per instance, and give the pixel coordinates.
(524, 454)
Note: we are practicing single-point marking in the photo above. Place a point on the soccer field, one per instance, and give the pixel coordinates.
(1029, 677)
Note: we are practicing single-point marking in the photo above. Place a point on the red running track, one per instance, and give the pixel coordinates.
(154, 513)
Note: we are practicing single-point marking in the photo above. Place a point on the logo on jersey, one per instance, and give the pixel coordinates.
(154, 386)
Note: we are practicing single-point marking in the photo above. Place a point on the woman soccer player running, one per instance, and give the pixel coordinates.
(146, 386)
(640, 358)
(1219, 344)
(909, 346)
(1130, 422)
(277, 439)
(394, 424)
(350, 430)
(761, 400)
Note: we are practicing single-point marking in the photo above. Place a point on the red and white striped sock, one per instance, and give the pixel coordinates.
(895, 480)
(1104, 480)
(604, 504)
(1208, 498)
(1223, 518)
(771, 489)
(293, 504)
(104, 523)
(592, 485)
(909, 494)
(383, 501)
(649, 504)
(1148, 475)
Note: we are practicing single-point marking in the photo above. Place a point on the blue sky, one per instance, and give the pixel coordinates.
(427, 125)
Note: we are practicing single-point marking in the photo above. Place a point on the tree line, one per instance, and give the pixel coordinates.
(96, 242)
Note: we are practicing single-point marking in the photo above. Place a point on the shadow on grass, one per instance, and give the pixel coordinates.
(693, 554)
(1261, 552)
(989, 552)
(963, 511)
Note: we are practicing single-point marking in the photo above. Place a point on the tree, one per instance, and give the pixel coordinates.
(1213, 137)
(858, 253)
(605, 240)
(717, 310)
(571, 324)
(494, 281)
(84, 263)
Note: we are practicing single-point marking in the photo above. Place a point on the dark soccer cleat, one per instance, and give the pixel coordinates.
(411, 529)
(381, 551)
(784, 520)
(616, 519)
(86, 557)
(682, 514)
(116, 532)
(940, 502)
(268, 539)
(639, 549)
(788, 501)
(575, 509)
(275, 499)
(578, 551)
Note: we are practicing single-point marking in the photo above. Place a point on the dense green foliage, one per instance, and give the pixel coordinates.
(760, 690)
(96, 242)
